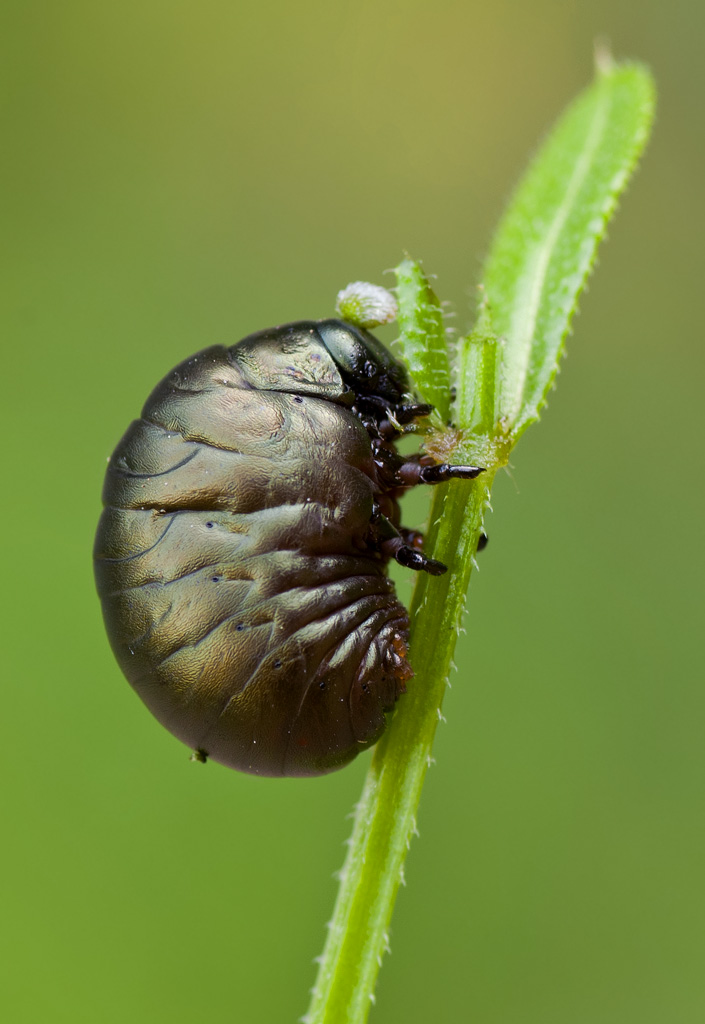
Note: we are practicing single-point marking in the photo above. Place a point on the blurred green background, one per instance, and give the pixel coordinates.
(179, 174)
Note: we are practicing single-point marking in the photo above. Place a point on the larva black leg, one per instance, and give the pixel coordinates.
(413, 471)
(444, 471)
(395, 544)
(412, 559)
(482, 542)
(412, 411)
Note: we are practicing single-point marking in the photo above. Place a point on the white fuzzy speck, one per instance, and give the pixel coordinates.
(366, 305)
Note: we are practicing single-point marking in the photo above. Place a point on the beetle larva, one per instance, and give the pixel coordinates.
(241, 556)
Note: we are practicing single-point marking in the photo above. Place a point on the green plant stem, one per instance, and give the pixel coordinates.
(386, 814)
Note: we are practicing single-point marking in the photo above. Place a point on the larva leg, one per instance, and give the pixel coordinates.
(414, 472)
(398, 545)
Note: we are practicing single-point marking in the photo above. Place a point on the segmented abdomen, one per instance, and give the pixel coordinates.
(241, 594)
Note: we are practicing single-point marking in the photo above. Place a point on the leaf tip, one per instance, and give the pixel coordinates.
(602, 55)
(406, 266)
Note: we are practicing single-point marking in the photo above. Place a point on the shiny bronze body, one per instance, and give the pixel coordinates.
(241, 556)
(241, 595)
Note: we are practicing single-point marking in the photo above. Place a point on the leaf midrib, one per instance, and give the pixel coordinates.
(524, 317)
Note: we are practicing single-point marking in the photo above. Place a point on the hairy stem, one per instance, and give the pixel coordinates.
(385, 818)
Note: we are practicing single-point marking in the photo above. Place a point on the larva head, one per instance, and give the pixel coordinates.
(366, 365)
(328, 358)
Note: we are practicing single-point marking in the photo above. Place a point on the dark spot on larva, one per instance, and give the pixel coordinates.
(322, 685)
(277, 663)
(216, 579)
(240, 626)
(210, 525)
(298, 399)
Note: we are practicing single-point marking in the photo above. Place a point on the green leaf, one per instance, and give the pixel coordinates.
(423, 338)
(546, 242)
